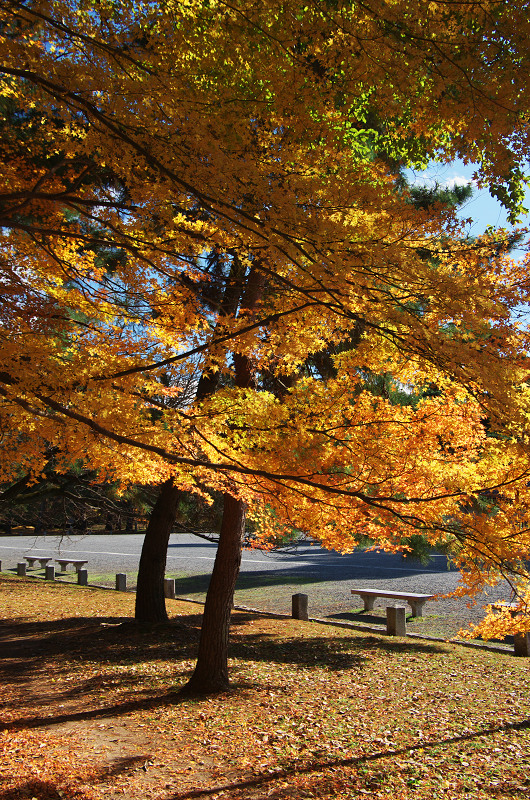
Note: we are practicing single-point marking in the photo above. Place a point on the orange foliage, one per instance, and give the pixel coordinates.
(169, 152)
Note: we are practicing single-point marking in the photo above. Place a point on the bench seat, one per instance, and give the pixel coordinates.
(77, 563)
(43, 560)
(416, 601)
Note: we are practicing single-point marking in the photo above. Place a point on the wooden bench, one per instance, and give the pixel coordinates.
(415, 601)
(77, 563)
(43, 560)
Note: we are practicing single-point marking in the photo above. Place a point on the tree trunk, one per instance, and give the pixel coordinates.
(40, 527)
(211, 670)
(150, 599)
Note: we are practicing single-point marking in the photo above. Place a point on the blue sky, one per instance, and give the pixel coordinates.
(482, 208)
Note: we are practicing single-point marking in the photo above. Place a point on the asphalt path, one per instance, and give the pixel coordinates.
(267, 579)
(191, 556)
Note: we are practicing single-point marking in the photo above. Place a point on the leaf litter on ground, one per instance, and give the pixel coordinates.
(90, 708)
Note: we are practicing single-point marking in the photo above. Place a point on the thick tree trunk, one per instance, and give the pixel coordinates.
(211, 670)
(150, 600)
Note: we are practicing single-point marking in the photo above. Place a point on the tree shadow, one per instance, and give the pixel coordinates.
(49, 790)
(361, 616)
(334, 654)
(33, 651)
(187, 545)
(324, 780)
(313, 570)
(38, 789)
(191, 584)
(109, 710)
(29, 648)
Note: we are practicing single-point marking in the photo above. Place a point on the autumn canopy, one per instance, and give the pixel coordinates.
(211, 194)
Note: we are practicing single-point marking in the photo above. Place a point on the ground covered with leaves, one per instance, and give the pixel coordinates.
(90, 709)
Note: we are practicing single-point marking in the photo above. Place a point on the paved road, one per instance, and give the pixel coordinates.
(191, 556)
(267, 580)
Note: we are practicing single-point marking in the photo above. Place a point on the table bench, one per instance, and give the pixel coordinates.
(43, 560)
(415, 601)
(77, 563)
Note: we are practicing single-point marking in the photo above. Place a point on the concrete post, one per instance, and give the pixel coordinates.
(300, 606)
(49, 574)
(121, 582)
(82, 577)
(521, 644)
(396, 620)
(169, 588)
(21, 568)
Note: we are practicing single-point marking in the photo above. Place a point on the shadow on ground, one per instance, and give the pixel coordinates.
(307, 569)
(36, 656)
(327, 778)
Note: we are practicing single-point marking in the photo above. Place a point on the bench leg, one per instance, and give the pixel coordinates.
(368, 601)
(417, 608)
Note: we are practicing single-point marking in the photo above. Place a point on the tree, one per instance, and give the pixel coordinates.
(239, 167)
(66, 502)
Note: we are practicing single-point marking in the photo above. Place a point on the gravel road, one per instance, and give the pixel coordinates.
(267, 580)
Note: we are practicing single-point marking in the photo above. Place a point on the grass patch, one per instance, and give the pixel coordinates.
(90, 709)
